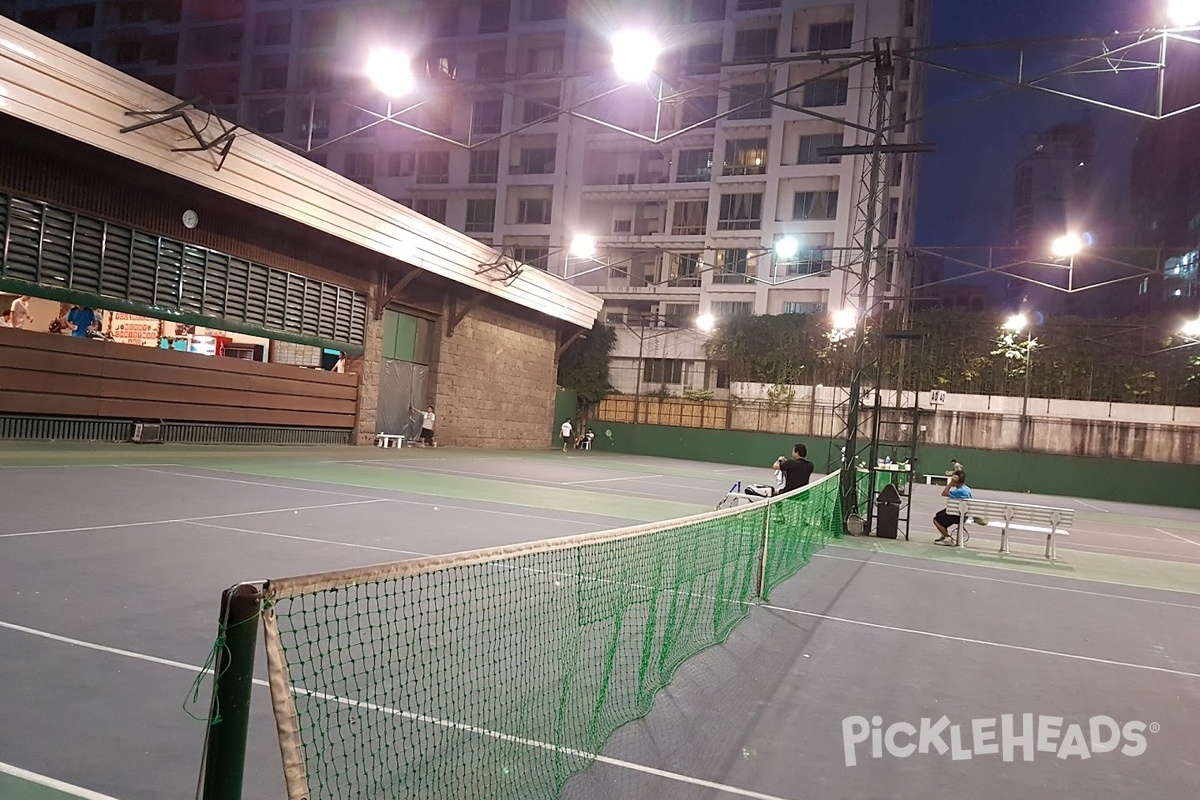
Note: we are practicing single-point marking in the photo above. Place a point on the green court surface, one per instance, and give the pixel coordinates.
(112, 558)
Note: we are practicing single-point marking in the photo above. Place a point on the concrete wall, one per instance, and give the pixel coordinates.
(493, 383)
(1169, 434)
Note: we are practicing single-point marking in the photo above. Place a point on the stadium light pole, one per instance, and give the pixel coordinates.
(1068, 246)
(1015, 324)
(705, 323)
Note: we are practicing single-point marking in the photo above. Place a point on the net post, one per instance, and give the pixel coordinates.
(233, 681)
(760, 579)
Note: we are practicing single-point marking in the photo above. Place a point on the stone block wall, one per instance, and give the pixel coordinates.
(493, 380)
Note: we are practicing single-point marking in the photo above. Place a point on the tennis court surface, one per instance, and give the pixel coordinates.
(112, 560)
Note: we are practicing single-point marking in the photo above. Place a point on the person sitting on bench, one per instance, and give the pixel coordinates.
(956, 489)
(796, 471)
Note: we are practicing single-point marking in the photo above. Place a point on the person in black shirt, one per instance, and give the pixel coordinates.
(796, 470)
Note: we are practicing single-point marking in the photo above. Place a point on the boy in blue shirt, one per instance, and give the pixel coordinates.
(956, 489)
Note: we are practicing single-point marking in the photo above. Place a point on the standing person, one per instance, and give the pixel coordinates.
(427, 420)
(20, 312)
(955, 466)
(796, 470)
(82, 319)
(956, 489)
(565, 432)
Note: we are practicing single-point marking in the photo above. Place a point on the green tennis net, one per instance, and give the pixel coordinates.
(498, 674)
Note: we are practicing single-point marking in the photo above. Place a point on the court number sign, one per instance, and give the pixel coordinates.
(937, 397)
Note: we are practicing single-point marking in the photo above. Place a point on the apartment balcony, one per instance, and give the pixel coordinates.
(661, 191)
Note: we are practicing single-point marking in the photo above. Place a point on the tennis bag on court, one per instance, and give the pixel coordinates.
(759, 490)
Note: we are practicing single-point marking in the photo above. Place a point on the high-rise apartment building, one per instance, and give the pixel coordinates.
(685, 183)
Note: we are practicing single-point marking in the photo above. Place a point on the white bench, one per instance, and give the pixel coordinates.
(940, 480)
(387, 440)
(1013, 516)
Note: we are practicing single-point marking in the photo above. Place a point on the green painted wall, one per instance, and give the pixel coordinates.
(1069, 476)
(566, 404)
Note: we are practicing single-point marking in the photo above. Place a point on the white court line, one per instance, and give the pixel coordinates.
(250, 483)
(421, 503)
(607, 480)
(52, 783)
(188, 519)
(523, 481)
(310, 539)
(1092, 505)
(1177, 536)
(974, 577)
(1031, 538)
(986, 643)
(616, 762)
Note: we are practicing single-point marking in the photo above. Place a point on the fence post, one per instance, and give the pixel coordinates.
(233, 681)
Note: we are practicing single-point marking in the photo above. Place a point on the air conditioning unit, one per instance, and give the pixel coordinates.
(147, 433)
(626, 177)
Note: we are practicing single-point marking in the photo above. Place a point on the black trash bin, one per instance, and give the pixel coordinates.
(887, 513)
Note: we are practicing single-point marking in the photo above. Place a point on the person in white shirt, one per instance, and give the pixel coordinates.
(20, 312)
(427, 420)
(6, 322)
(566, 434)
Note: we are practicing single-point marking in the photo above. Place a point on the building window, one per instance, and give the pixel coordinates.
(360, 167)
(533, 211)
(662, 370)
(128, 52)
(740, 212)
(316, 77)
(826, 92)
(485, 166)
(707, 10)
(910, 13)
(808, 261)
(318, 122)
(481, 215)
(614, 317)
(699, 111)
(443, 22)
(756, 5)
(691, 218)
(537, 161)
(434, 208)
(533, 256)
(433, 167)
(493, 17)
(273, 78)
(810, 147)
(734, 265)
(543, 10)
(702, 58)
(536, 109)
(893, 223)
(830, 36)
(685, 269)
(723, 309)
(755, 42)
(490, 64)
(401, 165)
(274, 29)
(803, 308)
(546, 60)
(486, 116)
(746, 157)
(695, 166)
(815, 205)
(681, 315)
(754, 97)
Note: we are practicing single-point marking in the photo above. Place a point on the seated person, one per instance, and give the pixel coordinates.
(796, 471)
(956, 489)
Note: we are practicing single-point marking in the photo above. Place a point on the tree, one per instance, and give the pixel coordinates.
(584, 367)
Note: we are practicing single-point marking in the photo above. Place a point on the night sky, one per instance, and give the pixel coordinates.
(965, 188)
